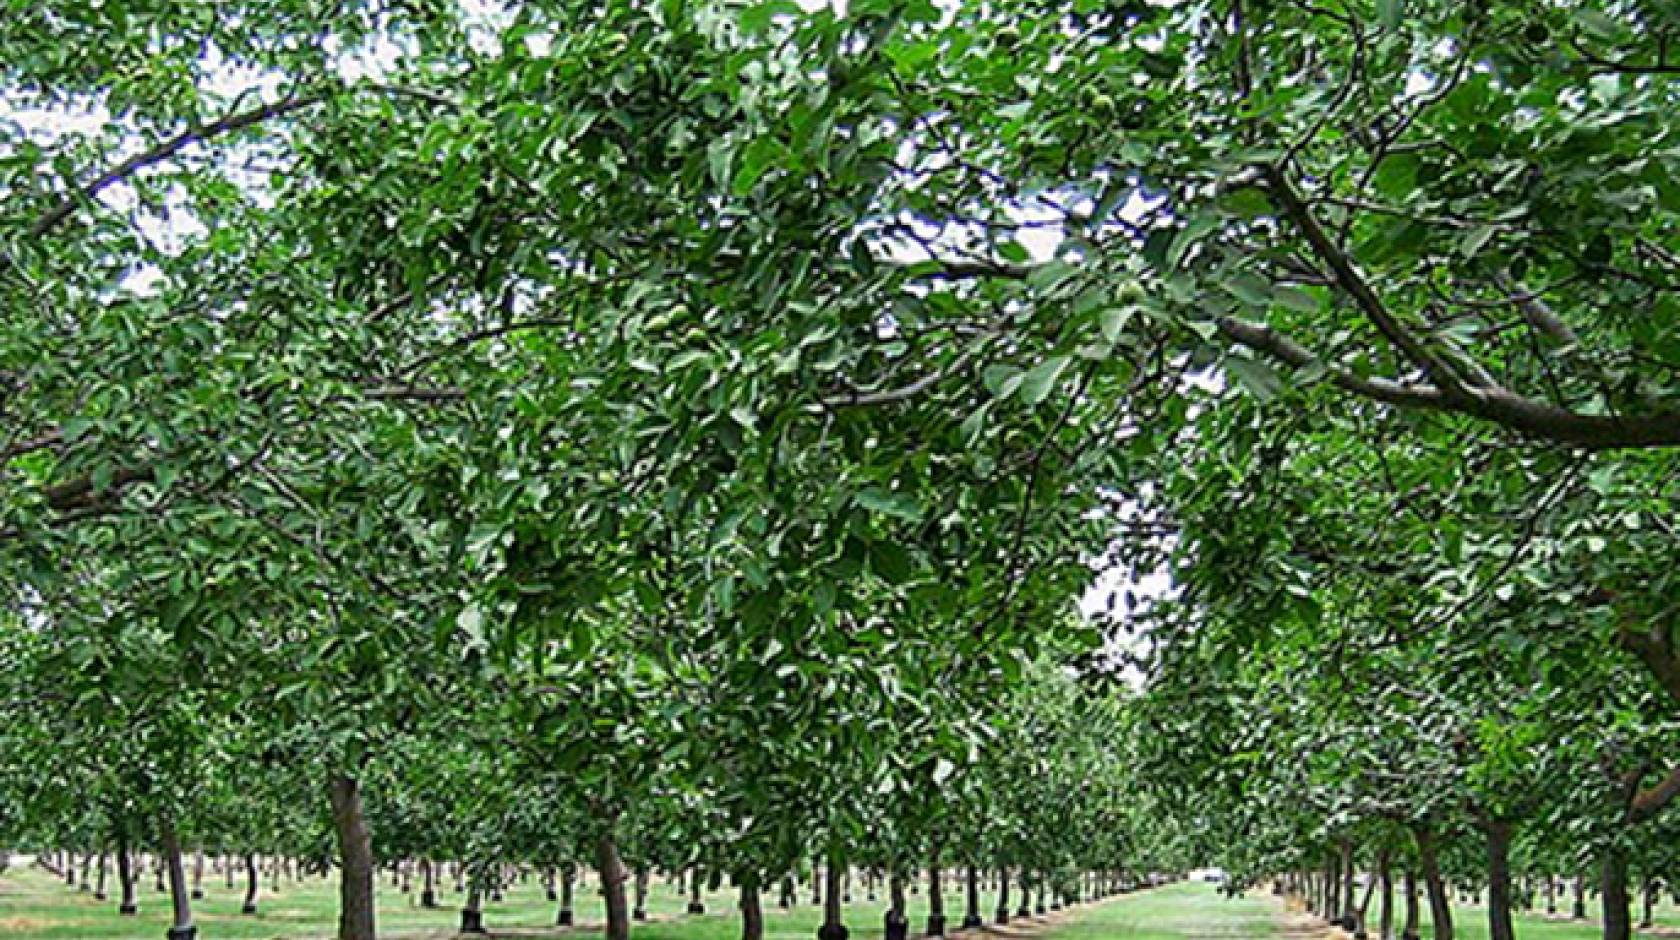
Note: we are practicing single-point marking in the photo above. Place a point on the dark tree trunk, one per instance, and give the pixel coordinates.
(568, 885)
(971, 916)
(1580, 910)
(936, 901)
(1410, 930)
(472, 913)
(1498, 833)
(180, 900)
(696, 885)
(198, 874)
(788, 892)
(1024, 882)
(125, 876)
(896, 922)
(428, 884)
(1349, 913)
(1001, 915)
(253, 883)
(99, 876)
(640, 912)
(1613, 895)
(1551, 894)
(611, 868)
(833, 927)
(1440, 905)
(1363, 913)
(816, 882)
(87, 866)
(355, 852)
(752, 907)
(1648, 902)
(227, 872)
(1385, 912)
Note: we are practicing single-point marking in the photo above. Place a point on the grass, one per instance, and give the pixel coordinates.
(33, 904)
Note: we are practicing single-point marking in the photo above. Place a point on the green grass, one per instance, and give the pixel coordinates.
(34, 904)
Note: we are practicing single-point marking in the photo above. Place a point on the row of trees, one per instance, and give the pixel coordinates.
(580, 432)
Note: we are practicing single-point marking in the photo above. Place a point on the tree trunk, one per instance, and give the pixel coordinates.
(181, 927)
(640, 912)
(1613, 895)
(253, 883)
(752, 907)
(611, 868)
(1498, 833)
(971, 916)
(816, 882)
(833, 927)
(99, 882)
(696, 885)
(936, 901)
(198, 874)
(1440, 905)
(1385, 912)
(1648, 902)
(897, 924)
(1024, 882)
(87, 867)
(125, 876)
(1410, 930)
(1001, 915)
(355, 852)
(1580, 910)
(1551, 894)
(472, 915)
(428, 884)
(1349, 914)
(568, 884)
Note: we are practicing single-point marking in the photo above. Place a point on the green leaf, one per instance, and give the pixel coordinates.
(1040, 380)
(1258, 378)
(901, 505)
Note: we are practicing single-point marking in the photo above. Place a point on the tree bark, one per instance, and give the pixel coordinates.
(1410, 930)
(1579, 912)
(1001, 915)
(897, 924)
(125, 876)
(832, 927)
(936, 901)
(472, 915)
(1024, 882)
(1613, 895)
(971, 916)
(695, 886)
(640, 911)
(1385, 912)
(568, 886)
(198, 873)
(355, 852)
(1349, 914)
(1648, 902)
(253, 884)
(1440, 905)
(180, 901)
(1498, 833)
(611, 867)
(752, 907)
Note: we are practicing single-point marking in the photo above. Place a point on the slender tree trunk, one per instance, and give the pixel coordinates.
(1385, 913)
(1648, 902)
(125, 876)
(752, 907)
(355, 852)
(428, 884)
(936, 900)
(1349, 913)
(971, 916)
(696, 885)
(1551, 894)
(1410, 930)
(1001, 915)
(611, 867)
(253, 884)
(1024, 882)
(1580, 910)
(1363, 911)
(1440, 905)
(198, 874)
(1498, 833)
(833, 925)
(181, 927)
(1613, 895)
(896, 923)
(640, 912)
(87, 868)
(99, 876)
(816, 882)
